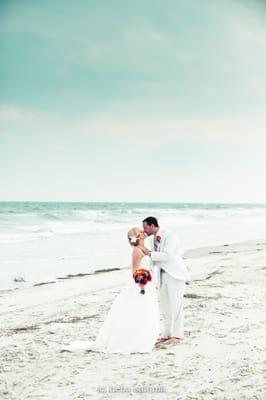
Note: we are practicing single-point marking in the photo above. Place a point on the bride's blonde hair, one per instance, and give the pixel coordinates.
(133, 236)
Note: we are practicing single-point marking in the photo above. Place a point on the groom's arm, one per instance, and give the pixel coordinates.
(168, 252)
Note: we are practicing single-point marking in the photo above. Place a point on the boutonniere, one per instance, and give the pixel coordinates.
(158, 238)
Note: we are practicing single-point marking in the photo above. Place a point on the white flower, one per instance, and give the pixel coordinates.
(133, 239)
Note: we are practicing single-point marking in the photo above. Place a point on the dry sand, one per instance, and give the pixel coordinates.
(221, 357)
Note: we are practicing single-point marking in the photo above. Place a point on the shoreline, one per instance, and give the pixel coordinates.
(186, 254)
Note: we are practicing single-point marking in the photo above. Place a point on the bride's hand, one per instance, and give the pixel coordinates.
(145, 250)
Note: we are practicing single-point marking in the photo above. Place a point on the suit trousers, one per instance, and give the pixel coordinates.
(171, 295)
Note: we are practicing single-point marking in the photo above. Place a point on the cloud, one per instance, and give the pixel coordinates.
(196, 61)
(13, 113)
(138, 122)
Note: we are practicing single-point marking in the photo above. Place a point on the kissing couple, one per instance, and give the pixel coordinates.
(133, 321)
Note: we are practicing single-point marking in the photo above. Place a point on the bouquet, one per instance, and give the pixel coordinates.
(142, 276)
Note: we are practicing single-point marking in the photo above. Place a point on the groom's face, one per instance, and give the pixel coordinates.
(149, 229)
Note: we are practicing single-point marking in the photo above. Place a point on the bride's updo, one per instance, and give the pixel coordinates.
(133, 236)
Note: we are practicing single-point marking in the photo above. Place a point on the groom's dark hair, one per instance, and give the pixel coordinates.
(151, 221)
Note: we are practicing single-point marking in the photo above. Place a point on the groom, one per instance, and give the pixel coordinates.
(172, 274)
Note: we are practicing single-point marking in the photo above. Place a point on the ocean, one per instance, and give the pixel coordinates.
(42, 241)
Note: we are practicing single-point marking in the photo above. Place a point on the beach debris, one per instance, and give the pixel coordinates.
(69, 276)
(58, 320)
(19, 279)
(43, 283)
(216, 272)
(197, 296)
(71, 320)
(23, 329)
(106, 270)
(210, 275)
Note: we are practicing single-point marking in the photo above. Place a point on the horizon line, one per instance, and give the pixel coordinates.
(131, 202)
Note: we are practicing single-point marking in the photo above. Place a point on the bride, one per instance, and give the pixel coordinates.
(132, 323)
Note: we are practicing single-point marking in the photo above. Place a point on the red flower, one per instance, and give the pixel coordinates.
(158, 238)
(142, 276)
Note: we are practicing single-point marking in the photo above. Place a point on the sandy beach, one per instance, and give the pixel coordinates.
(221, 357)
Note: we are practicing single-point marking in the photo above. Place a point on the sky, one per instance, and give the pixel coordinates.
(117, 100)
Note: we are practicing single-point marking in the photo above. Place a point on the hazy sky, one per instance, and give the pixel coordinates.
(138, 100)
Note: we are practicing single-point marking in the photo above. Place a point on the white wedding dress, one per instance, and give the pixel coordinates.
(132, 323)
